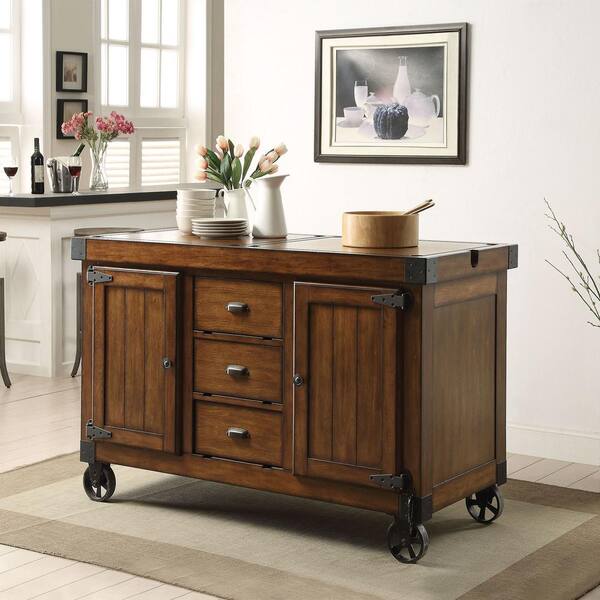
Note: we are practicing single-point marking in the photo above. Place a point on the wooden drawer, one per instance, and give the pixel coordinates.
(235, 306)
(262, 379)
(254, 433)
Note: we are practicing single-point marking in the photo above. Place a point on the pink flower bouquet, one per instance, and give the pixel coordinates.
(97, 138)
(107, 128)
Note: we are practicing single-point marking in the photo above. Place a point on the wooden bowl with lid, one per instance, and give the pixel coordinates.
(380, 229)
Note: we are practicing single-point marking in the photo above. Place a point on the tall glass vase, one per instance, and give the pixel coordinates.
(98, 180)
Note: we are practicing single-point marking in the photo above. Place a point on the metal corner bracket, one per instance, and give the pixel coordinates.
(420, 269)
(513, 256)
(78, 248)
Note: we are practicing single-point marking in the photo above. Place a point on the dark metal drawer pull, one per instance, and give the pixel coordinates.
(238, 432)
(237, 307)
(237, 371)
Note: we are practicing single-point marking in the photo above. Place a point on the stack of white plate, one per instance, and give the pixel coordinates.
(194, 204)
(219, 228)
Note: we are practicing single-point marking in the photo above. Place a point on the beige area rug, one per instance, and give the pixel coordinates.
(248, 545)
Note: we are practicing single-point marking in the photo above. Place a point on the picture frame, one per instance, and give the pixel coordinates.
(71, 71)
(359, 73)
(65, 109)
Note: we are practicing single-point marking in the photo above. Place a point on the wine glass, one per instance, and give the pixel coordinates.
(10, 169)
(74, 166)
(361, 92)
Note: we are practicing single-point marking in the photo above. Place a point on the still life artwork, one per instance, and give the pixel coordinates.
(392, 95)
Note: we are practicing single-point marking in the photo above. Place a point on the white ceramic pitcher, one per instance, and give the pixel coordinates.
(235, 203)
(269, 218)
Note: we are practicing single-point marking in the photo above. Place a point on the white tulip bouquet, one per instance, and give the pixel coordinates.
(229, 165)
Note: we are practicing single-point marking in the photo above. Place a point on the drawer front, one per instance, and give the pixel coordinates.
(254, 369)
(232, 306)
(247, 434)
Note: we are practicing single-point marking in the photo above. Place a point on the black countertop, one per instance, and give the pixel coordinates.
(86, 197)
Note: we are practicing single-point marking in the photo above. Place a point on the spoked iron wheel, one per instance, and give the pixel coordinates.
(99, 482)
(406, 546)
(485, 506)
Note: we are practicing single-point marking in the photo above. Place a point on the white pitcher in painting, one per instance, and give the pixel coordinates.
(269, 218)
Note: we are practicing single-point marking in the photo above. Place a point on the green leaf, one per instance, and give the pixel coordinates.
(231, 149)
(213, 160)
(226, 171)
(236, 172)
(247, 160)
(216, 178)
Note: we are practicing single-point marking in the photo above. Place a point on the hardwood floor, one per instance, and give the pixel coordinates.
(50, 410)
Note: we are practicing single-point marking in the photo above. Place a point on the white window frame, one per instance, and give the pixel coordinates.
(144, 116)
(150, 123)
(10, 112)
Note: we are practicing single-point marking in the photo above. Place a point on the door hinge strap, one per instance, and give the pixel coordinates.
(94, 277)
(398, 483)
(400, 300)
(96, 433)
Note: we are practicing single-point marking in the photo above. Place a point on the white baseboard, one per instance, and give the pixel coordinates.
(571, 446)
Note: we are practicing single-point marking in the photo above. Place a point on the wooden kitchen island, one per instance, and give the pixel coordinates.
(367, 377)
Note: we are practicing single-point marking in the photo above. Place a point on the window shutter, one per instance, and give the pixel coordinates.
(161, 161)
(117, 163)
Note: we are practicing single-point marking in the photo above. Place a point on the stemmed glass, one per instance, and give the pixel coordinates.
(361, 92)
(11, 168)
(74, 165)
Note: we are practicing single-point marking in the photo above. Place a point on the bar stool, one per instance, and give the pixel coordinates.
(3, 368)
(86, 232)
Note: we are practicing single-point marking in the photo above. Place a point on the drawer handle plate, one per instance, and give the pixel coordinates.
(238, 432)
(237, 371)
(237, 307)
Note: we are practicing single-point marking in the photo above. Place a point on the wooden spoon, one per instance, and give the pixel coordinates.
(423, 208)
(418, 207)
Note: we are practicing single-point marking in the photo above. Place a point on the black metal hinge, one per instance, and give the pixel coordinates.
(96, 433)
(400, 300)
(94, 277)
(398, 483)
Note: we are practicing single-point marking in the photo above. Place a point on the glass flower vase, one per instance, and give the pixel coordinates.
(98, 180)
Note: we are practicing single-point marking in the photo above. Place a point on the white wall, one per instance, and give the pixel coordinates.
(69, 25)
(534, 131)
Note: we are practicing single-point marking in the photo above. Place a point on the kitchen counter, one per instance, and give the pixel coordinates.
(35, 261)
(87, 197)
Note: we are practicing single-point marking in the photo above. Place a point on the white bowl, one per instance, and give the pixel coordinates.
(196, 194)
(184, 224)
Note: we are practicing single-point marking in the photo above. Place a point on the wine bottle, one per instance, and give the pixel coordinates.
(37, 169)
(79, 150)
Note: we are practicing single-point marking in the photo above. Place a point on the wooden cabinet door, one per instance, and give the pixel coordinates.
(345, 411)
(134, 359)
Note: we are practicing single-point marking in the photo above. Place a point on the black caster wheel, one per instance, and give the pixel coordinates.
(407, 547)
(486, 506)
(99, 482)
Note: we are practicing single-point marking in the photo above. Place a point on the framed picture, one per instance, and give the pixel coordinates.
(392, 95)
(71, 71)
(65, 109)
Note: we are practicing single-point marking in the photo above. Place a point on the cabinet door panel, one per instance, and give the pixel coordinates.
(134, 395)
(345, 413)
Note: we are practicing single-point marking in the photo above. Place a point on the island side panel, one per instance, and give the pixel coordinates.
(464, 374)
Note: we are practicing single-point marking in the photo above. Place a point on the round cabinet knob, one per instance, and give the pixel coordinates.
(298, 380)
(167, 363)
